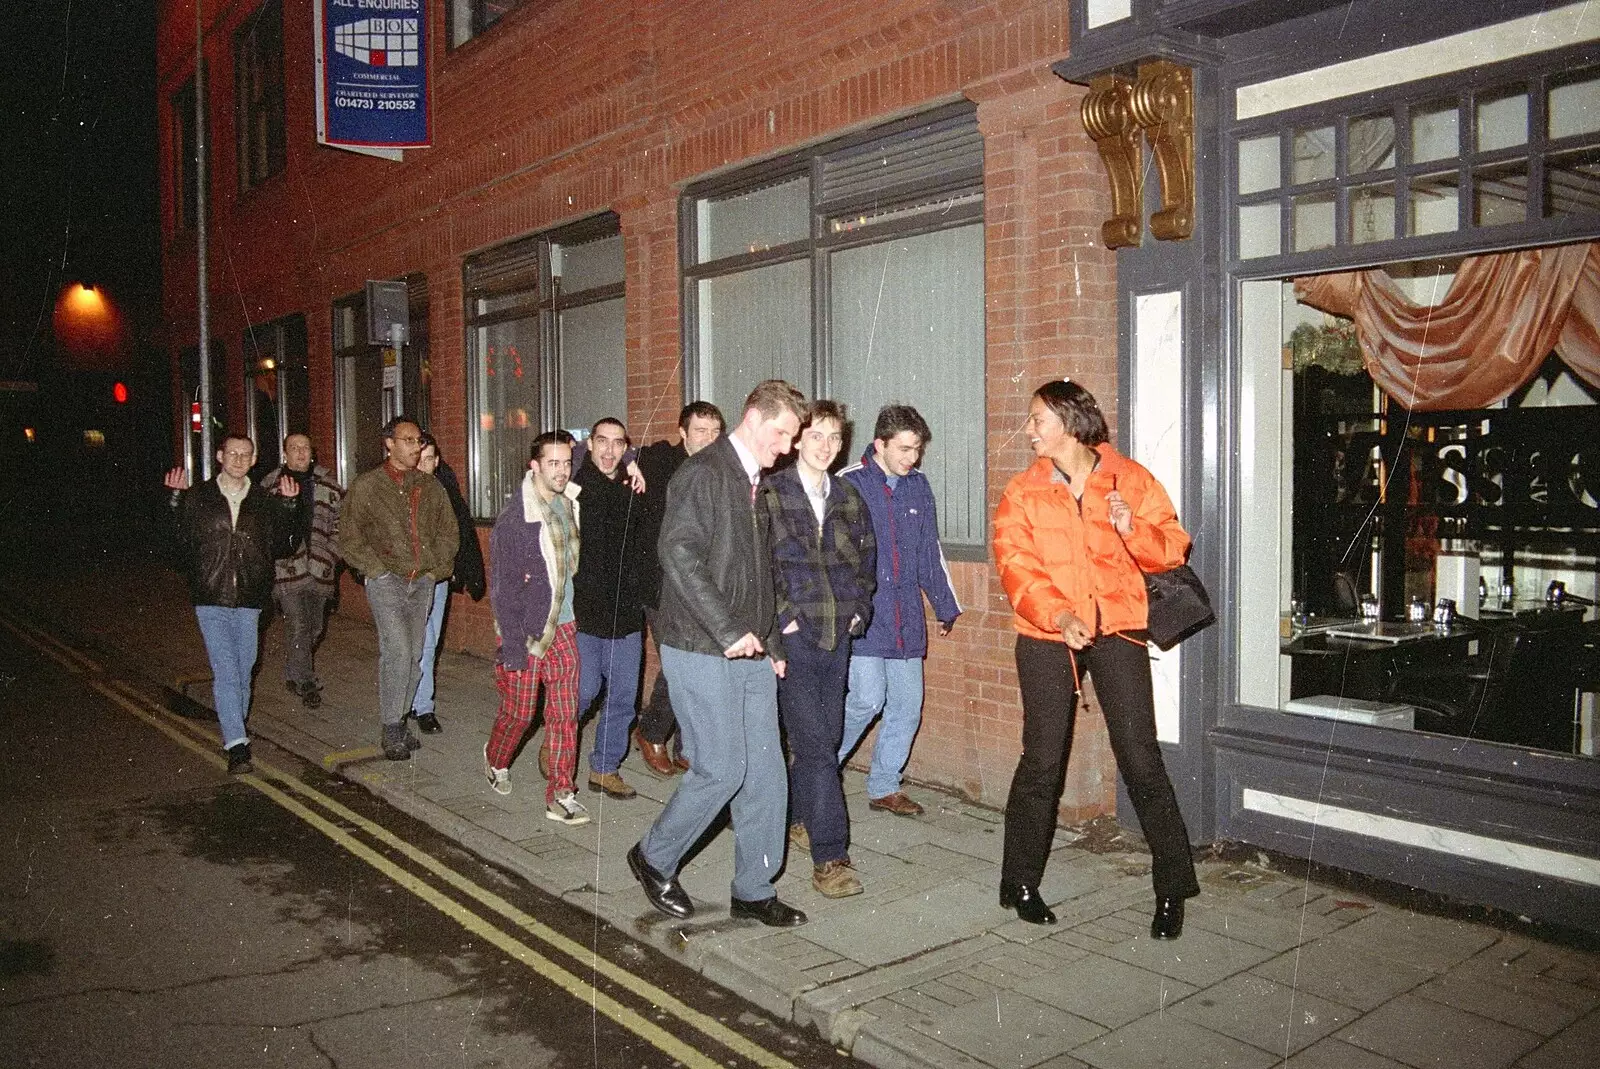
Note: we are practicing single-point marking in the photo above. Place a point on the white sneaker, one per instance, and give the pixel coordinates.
(566, 809)
(499, 778)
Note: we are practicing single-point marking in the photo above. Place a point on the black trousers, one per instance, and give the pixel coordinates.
(656, 719)
(1121, 673)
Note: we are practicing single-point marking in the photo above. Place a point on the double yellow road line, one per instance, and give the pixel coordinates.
(344, 827)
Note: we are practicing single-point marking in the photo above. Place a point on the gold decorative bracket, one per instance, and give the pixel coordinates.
(1163, 105)
(1108, 117)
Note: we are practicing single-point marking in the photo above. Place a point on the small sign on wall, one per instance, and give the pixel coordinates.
(372, 75)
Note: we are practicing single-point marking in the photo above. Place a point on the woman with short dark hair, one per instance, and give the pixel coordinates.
(1072, 535)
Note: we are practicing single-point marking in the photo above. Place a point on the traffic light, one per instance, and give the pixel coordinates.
(119, 393)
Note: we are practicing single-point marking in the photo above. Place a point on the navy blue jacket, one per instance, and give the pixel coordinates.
(910, 562)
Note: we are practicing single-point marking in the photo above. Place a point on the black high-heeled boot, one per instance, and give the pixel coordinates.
(1026, 901)
(1168, 921)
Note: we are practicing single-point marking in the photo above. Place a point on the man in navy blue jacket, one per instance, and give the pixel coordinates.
(886, 662)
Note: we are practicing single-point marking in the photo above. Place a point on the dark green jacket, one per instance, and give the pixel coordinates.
(407, 528)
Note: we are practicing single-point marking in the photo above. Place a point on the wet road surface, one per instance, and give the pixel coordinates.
(155, 911)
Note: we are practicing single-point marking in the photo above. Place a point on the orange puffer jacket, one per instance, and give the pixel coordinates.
(1057, 552)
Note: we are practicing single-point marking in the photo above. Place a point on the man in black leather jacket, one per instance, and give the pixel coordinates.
(722, 654)
(229, 532)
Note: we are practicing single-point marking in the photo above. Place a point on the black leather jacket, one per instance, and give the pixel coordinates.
(716, 565)
(231, 565)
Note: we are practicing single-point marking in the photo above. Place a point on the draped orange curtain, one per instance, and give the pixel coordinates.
(1501, 317)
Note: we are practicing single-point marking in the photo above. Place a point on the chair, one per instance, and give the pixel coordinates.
(1520, 688)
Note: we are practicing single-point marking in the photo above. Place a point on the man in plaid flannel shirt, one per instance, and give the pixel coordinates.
(823, 573)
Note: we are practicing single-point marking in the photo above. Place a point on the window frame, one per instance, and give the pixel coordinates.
(477, 17)
(259, 112)
(1537, 75)
(537, 295)
(964, 185)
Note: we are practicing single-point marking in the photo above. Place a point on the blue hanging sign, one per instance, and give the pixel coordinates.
(372, 74)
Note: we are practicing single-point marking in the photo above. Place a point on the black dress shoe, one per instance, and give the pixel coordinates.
(1168, 921)
(428, 724)
(664, 892)
(1026, 901)
(768, 911)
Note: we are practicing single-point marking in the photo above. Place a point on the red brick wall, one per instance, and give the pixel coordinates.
(571, 107)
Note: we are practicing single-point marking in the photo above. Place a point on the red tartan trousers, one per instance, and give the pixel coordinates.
(557, 671)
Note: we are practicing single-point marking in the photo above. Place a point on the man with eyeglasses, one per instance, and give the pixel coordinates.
(398, 530)
(229, 533)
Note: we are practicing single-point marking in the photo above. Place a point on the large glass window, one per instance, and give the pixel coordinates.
(855, 271)
(258, 95)
(545, 348)
(1435, 567)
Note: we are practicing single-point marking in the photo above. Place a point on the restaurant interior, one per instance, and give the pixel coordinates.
(1444, 513)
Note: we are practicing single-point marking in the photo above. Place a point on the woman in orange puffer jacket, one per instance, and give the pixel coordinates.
(1071, 536)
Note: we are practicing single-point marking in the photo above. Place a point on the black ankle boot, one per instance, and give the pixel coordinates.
(1168, 921)
(1026, 901)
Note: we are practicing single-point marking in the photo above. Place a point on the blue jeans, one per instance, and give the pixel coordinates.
(400, 609)
(892, 686)
(232, 639)
(728, 717)
(811, 703)
(613, 663)
(422, 704)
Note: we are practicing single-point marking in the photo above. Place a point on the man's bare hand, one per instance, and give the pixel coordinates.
(780, 667)
(176, 479)
(287, 487)
(748, 646)
(636, 477)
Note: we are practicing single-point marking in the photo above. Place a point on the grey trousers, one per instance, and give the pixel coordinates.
(400, 612)
(304, 608)
(728, 718)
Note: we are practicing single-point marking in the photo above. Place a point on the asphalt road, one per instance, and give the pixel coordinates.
(155, 912)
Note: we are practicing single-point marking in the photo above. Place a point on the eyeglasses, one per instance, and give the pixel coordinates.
(238, 454)
(409, 440)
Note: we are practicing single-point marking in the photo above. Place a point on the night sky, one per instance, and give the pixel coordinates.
(77, 169)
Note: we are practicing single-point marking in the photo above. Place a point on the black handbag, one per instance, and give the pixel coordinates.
(1179, 605)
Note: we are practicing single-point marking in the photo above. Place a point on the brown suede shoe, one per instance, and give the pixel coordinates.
(612, 785)
(833, 879)
(654, 754)
(544, 760)
(896, 803)
(799, 838)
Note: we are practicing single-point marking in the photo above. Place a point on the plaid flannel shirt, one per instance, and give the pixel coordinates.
(823, 574)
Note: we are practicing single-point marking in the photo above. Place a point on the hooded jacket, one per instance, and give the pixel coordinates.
(1055, 551)
(527, 582)
(910, 562)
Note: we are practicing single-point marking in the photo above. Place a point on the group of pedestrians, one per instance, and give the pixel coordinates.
(785, 604)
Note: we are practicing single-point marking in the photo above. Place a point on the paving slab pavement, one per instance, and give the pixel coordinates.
(924, 968)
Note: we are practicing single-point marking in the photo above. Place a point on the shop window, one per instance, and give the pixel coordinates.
(545, 348)
(855, 271)
(258, 95)
(1435, 203)
(1367, 508)
(1371, 213)
(1435, 132)
(1572, 184)
(1260, 167)
(1500, 194)
(469, 18)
